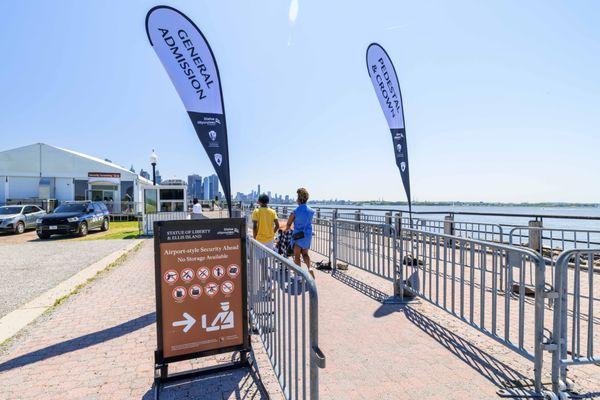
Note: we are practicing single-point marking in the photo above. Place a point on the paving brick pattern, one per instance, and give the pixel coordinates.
(99, 345)
(447, 334)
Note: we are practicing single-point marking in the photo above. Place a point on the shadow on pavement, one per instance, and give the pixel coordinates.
(362, 287)
(485, 364)
(80, 342)
(242, 383)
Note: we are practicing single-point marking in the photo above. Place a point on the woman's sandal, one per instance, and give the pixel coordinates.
(311, 271)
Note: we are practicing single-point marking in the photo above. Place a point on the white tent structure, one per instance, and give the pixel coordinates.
(42, 172)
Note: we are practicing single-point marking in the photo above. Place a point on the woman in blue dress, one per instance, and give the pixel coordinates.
(302, 217)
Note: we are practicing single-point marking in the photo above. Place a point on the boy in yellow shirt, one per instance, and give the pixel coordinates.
(265, 223)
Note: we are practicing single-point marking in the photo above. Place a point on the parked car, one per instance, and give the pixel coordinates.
(19, 218)
(75, 218)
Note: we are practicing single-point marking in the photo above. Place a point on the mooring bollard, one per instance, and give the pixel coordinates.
(398, 223)
(334, 240)
(449, 225)
(535, 235)
(388, 223)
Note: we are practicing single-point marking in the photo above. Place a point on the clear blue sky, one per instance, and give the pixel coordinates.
(501, 98)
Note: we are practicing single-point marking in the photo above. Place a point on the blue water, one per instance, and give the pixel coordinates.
(561, 223)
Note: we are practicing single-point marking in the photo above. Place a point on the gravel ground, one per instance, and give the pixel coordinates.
(11, 238)
(29, 269)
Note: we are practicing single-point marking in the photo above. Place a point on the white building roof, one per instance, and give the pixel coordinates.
(41, 159)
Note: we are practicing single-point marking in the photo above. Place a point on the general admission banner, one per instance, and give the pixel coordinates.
(190, 63)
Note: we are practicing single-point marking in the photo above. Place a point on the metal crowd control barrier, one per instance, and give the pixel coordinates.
(147, 221)
(370, 246)
(278, 292)
(576, 325)
(463, 277)
(322, 236)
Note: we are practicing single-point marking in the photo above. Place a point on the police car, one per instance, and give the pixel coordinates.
(75, 218)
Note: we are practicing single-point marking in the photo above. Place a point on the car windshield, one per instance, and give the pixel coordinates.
(10, 210)
(71, 208)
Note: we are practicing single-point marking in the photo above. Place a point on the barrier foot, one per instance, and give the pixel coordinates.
(400, 300)
(520, 393)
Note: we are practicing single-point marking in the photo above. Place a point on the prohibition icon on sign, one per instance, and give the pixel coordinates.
(195, 291)
(171, 276)
(179, 293)
(203, 273)
(218, 271)
(211, 289)
(227, 287)
(233, 270)
(187, 274)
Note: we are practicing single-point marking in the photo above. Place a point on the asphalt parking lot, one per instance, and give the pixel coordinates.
(29, 266)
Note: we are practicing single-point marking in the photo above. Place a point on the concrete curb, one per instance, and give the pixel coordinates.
(18, 319)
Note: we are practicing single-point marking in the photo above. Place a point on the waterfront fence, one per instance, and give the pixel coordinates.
(576, 325)
(322, 236)
(284, 311)
(465, 278)
(550, 242)
(370, 246)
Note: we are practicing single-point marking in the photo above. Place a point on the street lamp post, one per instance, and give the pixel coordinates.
(153, 161)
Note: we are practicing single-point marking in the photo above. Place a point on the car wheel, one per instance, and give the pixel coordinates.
(43, 235)
(20, 228)
(105, 225)
(83, 229)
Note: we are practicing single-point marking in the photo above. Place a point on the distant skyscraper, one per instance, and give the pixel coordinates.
(206, 189)
(144, 174)
(158, 177)
(195, 187)
(132, 169)
(258, 193)
(214, 186)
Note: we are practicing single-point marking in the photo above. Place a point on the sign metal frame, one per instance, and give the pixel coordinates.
(161, 363)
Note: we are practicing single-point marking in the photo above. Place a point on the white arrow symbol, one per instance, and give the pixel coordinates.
(189, 321)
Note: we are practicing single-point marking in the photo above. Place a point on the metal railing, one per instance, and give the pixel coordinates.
(472, 230)
(284, 311)
(370, 246)
(550, 242)
(146, 223)
(576, 325)
(464, 277)
(322, 236)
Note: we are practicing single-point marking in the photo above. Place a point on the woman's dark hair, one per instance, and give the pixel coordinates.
(195, 201)
(302, 195)
(263, 199)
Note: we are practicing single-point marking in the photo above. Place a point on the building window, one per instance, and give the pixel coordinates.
(81, 188)
(169, 206)
(150, 200)
(127, 191)
(171, 194)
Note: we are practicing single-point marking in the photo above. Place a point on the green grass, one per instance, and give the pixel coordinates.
(117, 230)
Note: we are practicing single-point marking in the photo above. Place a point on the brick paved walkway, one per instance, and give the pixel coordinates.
(100, 343)
(377, 351)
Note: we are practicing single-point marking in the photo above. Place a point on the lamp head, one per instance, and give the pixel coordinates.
(153, 158)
